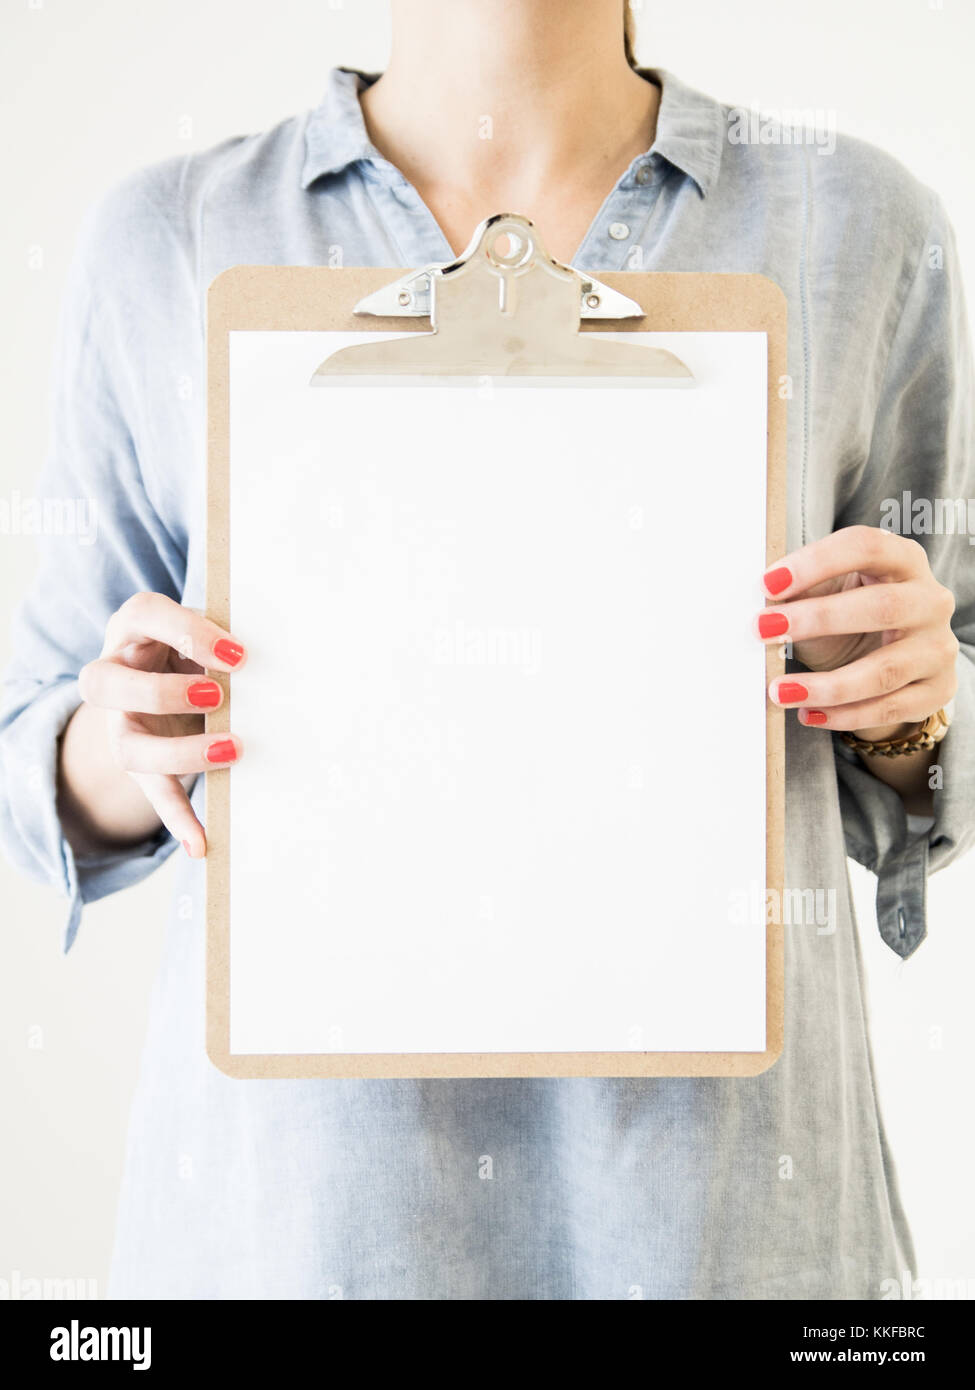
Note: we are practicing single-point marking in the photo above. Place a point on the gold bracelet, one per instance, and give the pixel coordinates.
(931, 732)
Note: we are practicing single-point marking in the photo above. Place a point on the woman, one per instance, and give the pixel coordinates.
(775, 1187)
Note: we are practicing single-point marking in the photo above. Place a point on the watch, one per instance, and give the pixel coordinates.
(931, 732)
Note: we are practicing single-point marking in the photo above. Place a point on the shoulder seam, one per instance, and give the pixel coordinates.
(244, 143)
(933, 206)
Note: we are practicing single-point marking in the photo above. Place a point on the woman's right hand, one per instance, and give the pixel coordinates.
(147, 693)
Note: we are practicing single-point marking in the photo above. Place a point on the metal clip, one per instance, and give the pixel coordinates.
(504, 309)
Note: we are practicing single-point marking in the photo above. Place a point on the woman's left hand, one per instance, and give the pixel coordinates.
(872, 625)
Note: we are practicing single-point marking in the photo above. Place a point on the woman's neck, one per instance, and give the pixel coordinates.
(510, 105)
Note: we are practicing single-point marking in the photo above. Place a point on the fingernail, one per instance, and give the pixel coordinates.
(790, 693)
(228, 652)
(772, 624)
(203, 694)
(186, 846)
(812, 716)
(777, 580)
(224, 750)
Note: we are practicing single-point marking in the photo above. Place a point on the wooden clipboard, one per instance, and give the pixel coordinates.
(311, 299)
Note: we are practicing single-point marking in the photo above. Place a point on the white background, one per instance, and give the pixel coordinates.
(95, 88)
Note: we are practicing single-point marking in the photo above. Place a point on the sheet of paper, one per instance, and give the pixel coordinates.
(503, 713)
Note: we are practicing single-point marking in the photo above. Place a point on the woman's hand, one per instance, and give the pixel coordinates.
(872, 625)
(133, 749)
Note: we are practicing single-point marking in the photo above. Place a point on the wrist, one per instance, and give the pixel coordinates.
(900, 740)
(879, 733)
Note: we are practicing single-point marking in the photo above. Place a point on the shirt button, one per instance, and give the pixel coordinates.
(644, 174)
(619, 231)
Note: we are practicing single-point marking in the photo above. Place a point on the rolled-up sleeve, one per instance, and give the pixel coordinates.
(920, 480)
(100, 541)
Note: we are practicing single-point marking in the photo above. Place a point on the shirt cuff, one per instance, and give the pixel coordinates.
(901, 849)
(902, 890)
(879, 836)
(30, 830)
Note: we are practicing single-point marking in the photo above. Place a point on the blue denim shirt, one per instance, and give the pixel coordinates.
(775, 1187)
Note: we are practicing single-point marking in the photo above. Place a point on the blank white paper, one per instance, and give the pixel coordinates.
(503, 715)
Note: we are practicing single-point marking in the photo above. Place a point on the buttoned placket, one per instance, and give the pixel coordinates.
(622, 222)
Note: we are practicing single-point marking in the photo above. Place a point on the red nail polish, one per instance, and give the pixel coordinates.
(777, 580)
(203, 694)
(814, 716)
(790, 693)
(224, 750)
(772, 624)
(228, 652)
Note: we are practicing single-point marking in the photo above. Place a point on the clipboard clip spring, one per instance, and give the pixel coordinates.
(504, 309)
(412, 295)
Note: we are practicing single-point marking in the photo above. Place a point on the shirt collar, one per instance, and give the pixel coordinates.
(335, 135)
(690, 129)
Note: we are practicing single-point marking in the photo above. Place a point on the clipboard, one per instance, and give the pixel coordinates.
(503, 315)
